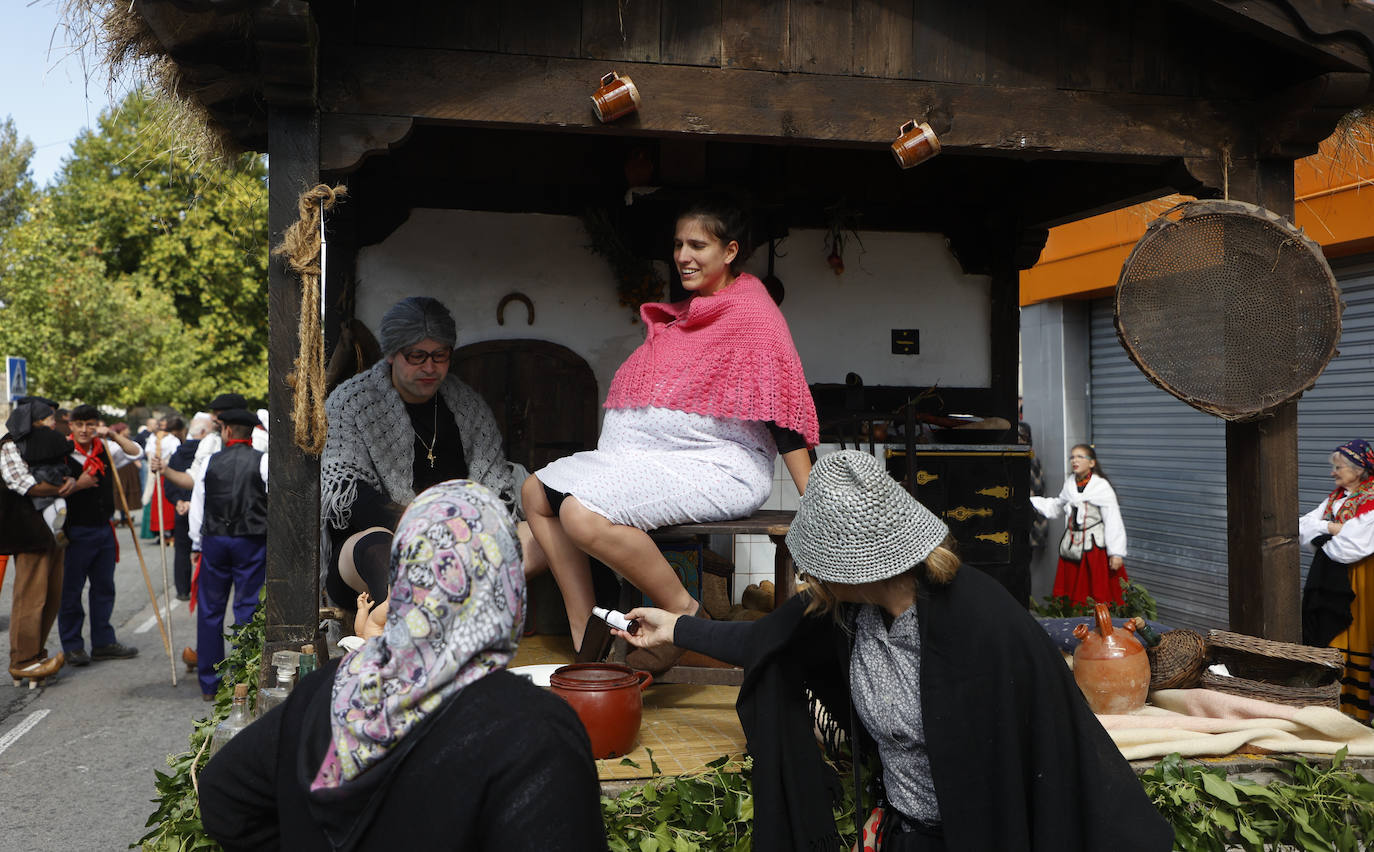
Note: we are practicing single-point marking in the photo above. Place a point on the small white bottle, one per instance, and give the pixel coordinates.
(616, 619)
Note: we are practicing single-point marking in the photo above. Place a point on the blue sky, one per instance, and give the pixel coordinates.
(45, 89)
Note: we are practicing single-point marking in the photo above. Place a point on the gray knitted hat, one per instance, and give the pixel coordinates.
(856, 524)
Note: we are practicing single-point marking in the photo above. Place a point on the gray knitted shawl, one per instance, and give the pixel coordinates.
(370, 441)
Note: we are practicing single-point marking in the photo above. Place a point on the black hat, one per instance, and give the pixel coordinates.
(239, 417)
(20, 400)
(228, 400)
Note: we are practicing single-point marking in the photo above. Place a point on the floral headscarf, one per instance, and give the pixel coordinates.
(1359, 499)
(457, 611)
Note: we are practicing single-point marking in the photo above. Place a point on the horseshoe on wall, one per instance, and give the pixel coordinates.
(513, 297)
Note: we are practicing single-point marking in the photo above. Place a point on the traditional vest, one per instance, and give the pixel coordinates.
(235, 496)
(92, 507)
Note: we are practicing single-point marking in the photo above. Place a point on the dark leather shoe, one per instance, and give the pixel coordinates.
(78, 657)
(596, 641)
(113, 651)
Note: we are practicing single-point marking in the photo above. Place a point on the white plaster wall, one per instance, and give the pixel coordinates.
(469, 260)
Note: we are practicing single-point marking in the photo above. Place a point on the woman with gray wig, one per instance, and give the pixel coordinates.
(395, 430)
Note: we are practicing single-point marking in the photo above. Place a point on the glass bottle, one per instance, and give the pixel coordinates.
(236, 721)
(1148, 637)
(307, 663)
(271, 696)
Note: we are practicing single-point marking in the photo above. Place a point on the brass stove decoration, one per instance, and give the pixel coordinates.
(982, 493)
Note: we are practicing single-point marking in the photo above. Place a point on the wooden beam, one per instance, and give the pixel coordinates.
(293, 493)
(1262, 473)
(1334, 35)
(476, 88)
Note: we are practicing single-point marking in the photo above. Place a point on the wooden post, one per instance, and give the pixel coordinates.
(293, 493)
(1262, 472)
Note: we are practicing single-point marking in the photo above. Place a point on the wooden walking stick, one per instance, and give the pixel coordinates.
(162, 547)
(147, 580)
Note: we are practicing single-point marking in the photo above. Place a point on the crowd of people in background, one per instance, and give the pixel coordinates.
(71, 475)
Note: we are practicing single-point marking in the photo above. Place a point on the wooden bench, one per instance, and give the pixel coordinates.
(773, 523)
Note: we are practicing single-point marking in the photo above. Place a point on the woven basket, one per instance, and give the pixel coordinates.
(1294, 696)
(1178, 660)
(1280, 672)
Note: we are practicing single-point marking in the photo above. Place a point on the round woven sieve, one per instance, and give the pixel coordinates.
(1228, 307)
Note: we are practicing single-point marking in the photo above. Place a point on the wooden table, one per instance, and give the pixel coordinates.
(773, 523)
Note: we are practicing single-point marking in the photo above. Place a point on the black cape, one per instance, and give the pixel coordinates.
(1017, 758)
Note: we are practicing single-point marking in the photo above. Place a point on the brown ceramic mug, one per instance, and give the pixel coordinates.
(917, 144)
(617, 97)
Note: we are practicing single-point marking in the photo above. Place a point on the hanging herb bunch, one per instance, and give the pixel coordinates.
(636, 279)
(841, 227)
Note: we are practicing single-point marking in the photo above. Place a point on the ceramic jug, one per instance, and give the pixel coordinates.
(1110, 666)
(607, 699)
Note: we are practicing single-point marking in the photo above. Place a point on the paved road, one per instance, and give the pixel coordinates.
(77, 756)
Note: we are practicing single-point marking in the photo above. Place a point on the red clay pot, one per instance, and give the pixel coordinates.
(607, 699)
(1110, 666)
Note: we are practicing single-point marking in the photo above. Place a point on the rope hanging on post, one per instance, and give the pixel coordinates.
(302, 247)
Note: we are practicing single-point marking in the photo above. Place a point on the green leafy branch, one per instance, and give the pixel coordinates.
(1316, 808)
(176, 822)
(1137, 600)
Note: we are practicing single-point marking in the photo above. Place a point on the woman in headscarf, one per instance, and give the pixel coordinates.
(982, 739)
(419, 738)
(1338, 598)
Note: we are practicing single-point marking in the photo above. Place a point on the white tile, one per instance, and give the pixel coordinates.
(761, 557)
(789, 500)
(742, 561)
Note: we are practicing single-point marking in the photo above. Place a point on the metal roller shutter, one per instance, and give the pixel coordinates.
(1167, 463)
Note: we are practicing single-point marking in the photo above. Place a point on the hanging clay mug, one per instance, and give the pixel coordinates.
(1110, 666)
(916, 144)
(607, 699)
(617, 96)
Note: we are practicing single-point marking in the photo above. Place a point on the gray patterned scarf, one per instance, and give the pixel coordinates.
(366, 416)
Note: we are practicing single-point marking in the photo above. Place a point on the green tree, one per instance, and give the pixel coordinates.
(165, 223)
(16, 180)
(89, 336)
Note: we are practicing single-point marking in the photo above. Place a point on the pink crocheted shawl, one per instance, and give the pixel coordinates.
(728, 355)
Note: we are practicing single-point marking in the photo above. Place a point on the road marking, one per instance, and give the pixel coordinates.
(13, 736)
(152, 619)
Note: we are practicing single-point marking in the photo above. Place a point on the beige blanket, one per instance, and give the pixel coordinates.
(1195, 722)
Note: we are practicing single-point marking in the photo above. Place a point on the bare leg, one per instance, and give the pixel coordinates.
(571, 568)
(536, 562)
(630, 552)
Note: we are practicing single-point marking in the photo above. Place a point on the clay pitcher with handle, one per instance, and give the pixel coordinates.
(1110, 666)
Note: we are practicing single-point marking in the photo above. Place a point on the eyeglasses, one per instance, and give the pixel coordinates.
(416, 357)
(1081, 456)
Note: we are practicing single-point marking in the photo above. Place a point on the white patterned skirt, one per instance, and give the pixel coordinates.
(655, 467)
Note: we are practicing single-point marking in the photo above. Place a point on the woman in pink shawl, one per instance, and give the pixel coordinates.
(694, 419)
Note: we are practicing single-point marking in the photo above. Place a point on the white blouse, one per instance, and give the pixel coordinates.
(1354, 542)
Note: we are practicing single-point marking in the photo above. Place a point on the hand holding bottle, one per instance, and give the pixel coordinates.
(655, 627)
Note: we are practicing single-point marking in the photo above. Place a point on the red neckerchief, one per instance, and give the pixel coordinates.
(1081, 482)
(232, 441)
(1357, 501)
(93, 464)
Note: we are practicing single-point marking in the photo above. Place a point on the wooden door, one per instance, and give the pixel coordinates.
(544, 396)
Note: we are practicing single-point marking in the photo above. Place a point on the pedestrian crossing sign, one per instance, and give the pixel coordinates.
(16, 378)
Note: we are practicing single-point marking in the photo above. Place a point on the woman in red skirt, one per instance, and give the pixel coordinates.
(1093, 550)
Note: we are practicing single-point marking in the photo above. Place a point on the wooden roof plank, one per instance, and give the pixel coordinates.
(502, 90)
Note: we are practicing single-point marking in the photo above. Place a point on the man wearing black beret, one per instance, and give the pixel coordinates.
(228, 525)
